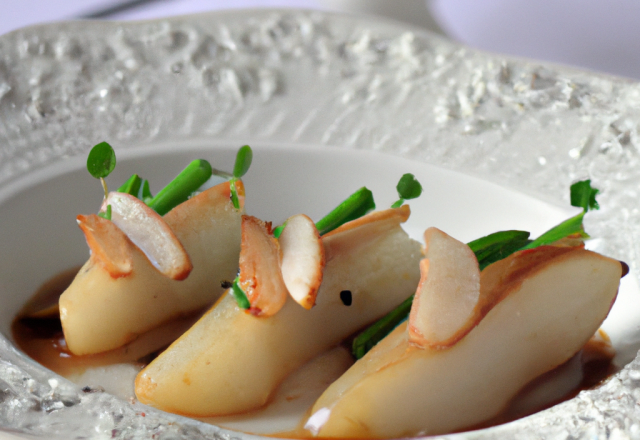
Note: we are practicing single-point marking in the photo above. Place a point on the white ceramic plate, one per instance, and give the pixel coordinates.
(311, 79)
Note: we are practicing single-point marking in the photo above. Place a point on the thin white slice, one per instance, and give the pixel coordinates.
(100, 313)
(551, 301)
(260, 276)
(151, 233)
(230, 362)
(444, 308)
(302, 260)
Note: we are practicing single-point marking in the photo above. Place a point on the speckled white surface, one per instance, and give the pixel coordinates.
(314, 78)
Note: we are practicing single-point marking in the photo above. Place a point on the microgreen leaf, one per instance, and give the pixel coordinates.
(408, 187)
(584, 196)
(355, 206)
(101, 160)
(238, 293)
(131, 186)
(243, 161)
(180, 188)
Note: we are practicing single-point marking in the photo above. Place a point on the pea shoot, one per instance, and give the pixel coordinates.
(583, 196)
(408, 188)
(100, 162)
(240, 168)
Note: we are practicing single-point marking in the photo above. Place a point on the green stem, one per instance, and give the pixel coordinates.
(277, 231)
(499, 245)
(106, 214)
(238, 293)
(355, 206)
(145, 192)
(568, 227)
(234, 193)
(366, 340)
(131, 186)
(104, 187)
(180, 188)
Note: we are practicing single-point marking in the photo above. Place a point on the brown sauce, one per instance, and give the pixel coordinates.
(37, 331)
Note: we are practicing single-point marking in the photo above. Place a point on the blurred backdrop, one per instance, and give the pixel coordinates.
(593, 34)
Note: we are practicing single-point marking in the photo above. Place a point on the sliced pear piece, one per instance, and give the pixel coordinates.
(445, 306)
(151, 233)
(109, 246)
(100, 313)
(302, 259)
(260, 276)
(231, 362)
(550, 302)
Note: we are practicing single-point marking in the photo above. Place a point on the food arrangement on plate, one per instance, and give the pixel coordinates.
(507, 307)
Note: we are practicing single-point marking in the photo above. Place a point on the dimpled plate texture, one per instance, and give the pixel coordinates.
(315, 78)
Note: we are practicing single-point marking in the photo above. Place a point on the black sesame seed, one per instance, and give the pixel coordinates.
(346, 298)
(226, 284)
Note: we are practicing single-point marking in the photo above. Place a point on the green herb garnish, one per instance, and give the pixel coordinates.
(366, 340)
(489, 249)
(584, 196)
(499, 245)
(277, 231)
(100, 162)
(571, 226)
(131, 186)
(355, 206)
(408, 188)
(180, 188)
(238, 293)
(244, 157)
(145, 192)
(106, 214)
